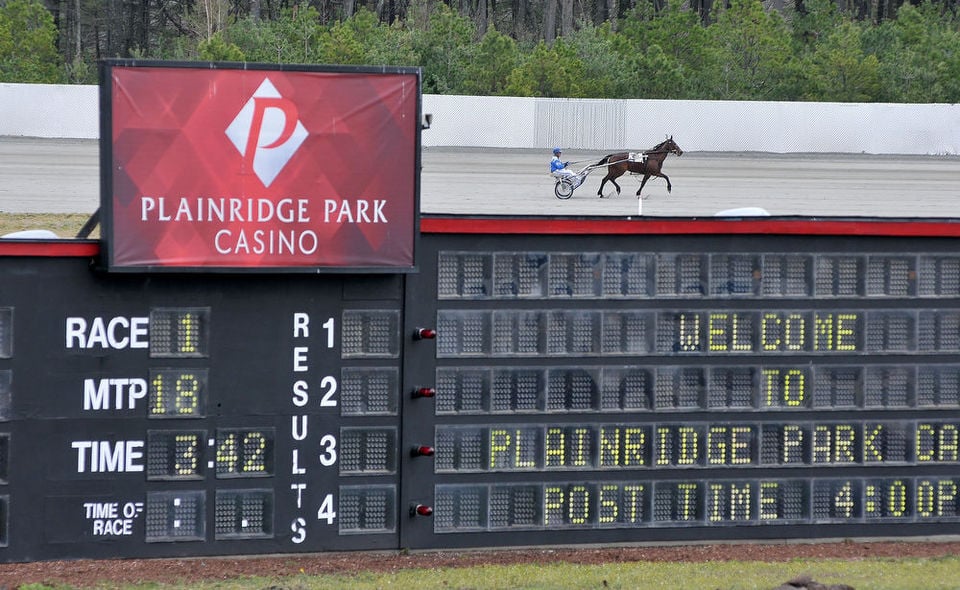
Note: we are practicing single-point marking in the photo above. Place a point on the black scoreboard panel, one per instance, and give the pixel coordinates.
(595, 389)
(193, 415)
(518, 389)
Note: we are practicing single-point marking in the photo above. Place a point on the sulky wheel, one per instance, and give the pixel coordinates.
(563, 189)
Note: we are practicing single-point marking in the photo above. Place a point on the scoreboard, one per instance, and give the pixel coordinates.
(182, 415)
(608, 383)
(531, 382)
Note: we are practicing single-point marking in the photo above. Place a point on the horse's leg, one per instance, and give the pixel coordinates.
(617, 172)
(642, 182)
(667, 178)
(602, 182)
(612, 178)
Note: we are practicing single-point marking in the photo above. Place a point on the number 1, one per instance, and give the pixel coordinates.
(328, 326)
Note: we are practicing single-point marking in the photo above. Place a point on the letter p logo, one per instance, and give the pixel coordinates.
(267, 132)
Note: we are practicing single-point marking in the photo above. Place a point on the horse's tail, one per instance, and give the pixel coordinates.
(605, 160)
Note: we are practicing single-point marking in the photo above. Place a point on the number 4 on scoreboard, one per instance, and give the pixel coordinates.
(326, 511)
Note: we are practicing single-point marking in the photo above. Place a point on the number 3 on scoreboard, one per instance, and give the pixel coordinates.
(326, 511)
(328, 453)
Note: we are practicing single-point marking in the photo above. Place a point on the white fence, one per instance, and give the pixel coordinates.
(60, 111)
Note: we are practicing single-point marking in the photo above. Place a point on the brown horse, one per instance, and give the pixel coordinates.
(619, 164)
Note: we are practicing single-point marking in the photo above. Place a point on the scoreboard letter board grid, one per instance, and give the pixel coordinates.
(630, 388)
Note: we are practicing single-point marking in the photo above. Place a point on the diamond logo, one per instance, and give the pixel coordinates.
(267, 132)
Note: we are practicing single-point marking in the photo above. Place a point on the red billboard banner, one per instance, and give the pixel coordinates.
(214, 166)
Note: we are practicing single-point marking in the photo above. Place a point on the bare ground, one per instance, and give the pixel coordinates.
(87, 573)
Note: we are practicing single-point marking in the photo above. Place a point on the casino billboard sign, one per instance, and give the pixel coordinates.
(246, 166)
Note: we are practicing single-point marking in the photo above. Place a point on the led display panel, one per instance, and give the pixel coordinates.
(608, 386)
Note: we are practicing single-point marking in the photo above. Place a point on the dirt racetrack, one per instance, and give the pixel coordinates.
(62, 176)
(86, 573)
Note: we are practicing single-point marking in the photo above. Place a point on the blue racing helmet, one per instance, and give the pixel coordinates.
(556, 151)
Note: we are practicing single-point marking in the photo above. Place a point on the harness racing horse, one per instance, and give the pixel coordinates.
(620, 163)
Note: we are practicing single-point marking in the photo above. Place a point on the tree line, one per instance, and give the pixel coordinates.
(810, 50)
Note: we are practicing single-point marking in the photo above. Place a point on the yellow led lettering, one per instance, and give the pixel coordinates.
(871, 500)
(740, 438)
(946, 497)
(948, 446)
(769, 490)
(846, 337)
(687, 501)
(784, 388)
(228, 454)
(835, 332)
(609, 506)
(897, 499)
(518, 461)
(186, 454)
(937, 442)
(255, 445)
(767, 342)
(717, 445)
(870, 450)
(795, 332)
(843, 501)
(578, 505)
(844, 437)
(771, 377)
(554, 444)
(792, 437)
(188, 333)
(821, 444)
(689, 332)
(581, 439)
(823, 332)
(724, 333)
(663, 434)
(926, 498)
(609, 447)
(935, 498)
(499, 446)
(925, 447)
(716, 502)
(782, 333)
(633, 496)
(552, 503)
(689, 446)
(158, 392)
(187, 388)
(737, 340)
(740, 502)
(794, 388)
(717, 332)
(621, 447)
(634, 441)
(728, 445)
